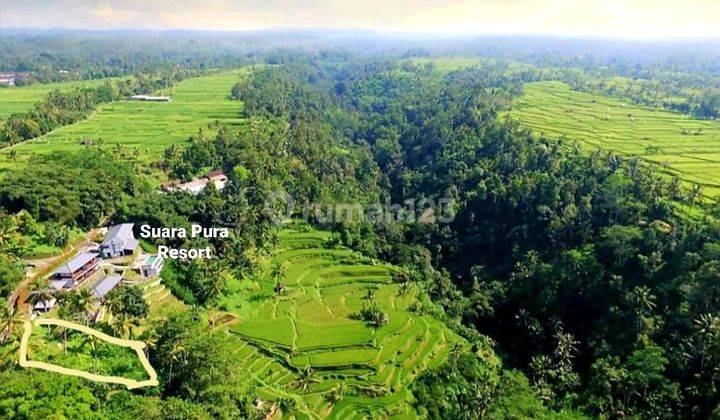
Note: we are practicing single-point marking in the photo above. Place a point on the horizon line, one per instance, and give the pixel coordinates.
(389, 31)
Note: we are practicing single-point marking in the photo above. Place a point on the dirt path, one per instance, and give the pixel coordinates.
(44, 265)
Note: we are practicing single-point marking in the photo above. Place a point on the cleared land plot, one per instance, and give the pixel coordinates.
(20, 99)
(146, 127)
(71, 349)
(681, 145)
(314, 323)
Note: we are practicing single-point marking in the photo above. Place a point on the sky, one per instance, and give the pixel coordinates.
(607, 18)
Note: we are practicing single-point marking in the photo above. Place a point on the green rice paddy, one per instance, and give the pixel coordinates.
(145, 128)
(679, 144)
(15, 100)
(313, 323)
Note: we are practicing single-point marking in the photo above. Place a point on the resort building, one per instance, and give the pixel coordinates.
(43, 305)
(104, 286)
(119, 241)
(150, 98)
(217, 178)
(7, 79)
(193, 187)
(152, 266)
(75, 271)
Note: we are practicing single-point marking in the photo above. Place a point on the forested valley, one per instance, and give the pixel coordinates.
(573, 282)
(578, 264)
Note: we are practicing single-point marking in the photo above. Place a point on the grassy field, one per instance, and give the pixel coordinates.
(679, 144)
(21, 99)
(313, 324)
(145, 128)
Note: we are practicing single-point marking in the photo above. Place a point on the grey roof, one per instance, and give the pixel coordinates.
(119, 234)
(131, 244)
(62, 284)
(105, 285)
(76, 263)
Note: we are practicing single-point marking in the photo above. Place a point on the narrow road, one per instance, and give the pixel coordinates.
(43, 266)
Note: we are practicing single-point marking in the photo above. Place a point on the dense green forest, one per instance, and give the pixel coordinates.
(578, 265)
(579, 283)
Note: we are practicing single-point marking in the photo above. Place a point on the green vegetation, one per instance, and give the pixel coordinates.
(74, 349)
(91, 186)
(21, 99)
(143, 129)
(22, 236)
(59, 109)
(446, 64)
(577, 264)
(568, 282)
(312, 324)
(681, 145)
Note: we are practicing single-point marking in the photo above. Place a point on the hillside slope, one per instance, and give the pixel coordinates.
(146, 128)
(313, 324)
(680, 144)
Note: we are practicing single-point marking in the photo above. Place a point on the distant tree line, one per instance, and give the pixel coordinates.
(47, 57)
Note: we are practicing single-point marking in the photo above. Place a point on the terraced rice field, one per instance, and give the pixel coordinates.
(313, 324)
(146, 128)
(20, 99)
(162, 302)
(679, 144)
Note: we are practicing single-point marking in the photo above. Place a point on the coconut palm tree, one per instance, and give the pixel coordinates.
(707, 329)
(39, 292)
(675, 188)
(337, 393)
(14, 155)
(369, 294)
(114, 303)
(12, 345)
(85, 302)
(277, 272)
(76, 305)
(176, 355)
(216, 284)
(65, 312)
(456, 351)
(150, 337)
(695, 195)
(7, 231)
(119, 151)
(643, 302)
(286, 405)
(404, 288)
(11, 319)
(306, 379)
(92, 341)
(123, 324)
